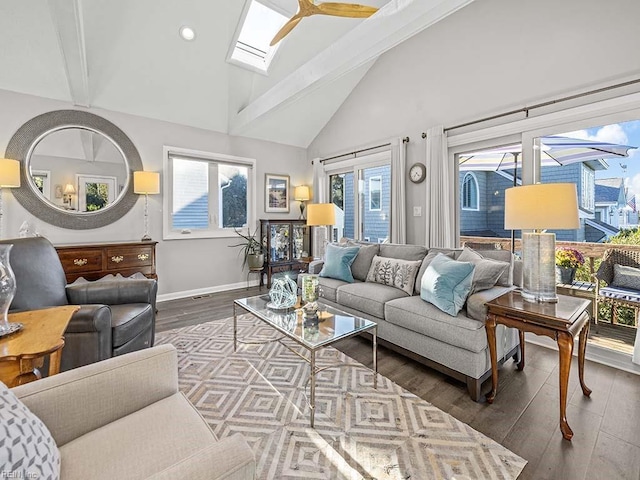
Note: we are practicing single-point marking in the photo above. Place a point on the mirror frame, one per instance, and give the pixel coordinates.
(26, 138)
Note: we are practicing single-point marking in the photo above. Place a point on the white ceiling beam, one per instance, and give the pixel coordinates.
(391, 25)
(67, 20)
(90, 144)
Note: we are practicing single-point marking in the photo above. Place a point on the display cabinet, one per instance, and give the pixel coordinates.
(287, 244)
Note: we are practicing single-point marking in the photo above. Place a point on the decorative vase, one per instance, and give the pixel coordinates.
(255, 261)
(310, 288)
(7, 286)
(565, 275)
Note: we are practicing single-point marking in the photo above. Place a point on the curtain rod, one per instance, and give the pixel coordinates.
(525, 110)
(355, 152)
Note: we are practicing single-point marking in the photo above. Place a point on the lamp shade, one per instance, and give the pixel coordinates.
(69, 189)
(319, 214)
(146, 183)
(301, 193)
(543, 206)
(9, 173)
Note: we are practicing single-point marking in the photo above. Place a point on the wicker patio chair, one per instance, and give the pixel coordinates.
(613, 295)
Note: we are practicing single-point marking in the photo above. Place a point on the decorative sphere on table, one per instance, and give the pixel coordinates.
(283, 293)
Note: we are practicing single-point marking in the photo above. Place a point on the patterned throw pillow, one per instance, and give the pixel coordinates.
(394, 272)
(626, 277)
(27, 449)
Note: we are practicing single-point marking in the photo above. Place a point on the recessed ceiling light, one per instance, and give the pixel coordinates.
(187, 33)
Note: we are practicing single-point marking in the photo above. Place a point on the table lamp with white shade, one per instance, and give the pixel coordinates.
(321, 215)
(302, 194)
(9, 178)
(67, 195)
(146, 183)
(552, 206)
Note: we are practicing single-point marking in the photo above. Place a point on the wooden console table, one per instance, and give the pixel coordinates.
(95, 260)
(22, 353)
(561, 321)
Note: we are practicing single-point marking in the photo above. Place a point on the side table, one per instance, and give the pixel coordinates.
(22, 353)
(561, 321)
(579, 289)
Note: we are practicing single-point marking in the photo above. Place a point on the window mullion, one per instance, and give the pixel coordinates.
(214, 197)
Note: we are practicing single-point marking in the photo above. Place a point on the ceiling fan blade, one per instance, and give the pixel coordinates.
(284, 31)
(352, 10)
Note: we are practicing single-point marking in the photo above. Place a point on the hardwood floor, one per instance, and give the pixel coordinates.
(524, 415)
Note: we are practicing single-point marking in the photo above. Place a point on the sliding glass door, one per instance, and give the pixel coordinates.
(362, 193)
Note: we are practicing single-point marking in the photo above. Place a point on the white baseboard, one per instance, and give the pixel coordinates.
(595, 353)
(205, 291)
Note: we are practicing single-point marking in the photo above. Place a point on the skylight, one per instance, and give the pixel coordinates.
(260, 25)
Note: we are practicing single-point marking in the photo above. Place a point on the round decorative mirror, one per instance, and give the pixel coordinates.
(76, 169)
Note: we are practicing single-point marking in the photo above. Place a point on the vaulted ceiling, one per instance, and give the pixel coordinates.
(127, 56)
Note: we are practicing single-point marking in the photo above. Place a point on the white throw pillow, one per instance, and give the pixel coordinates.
(27, 449)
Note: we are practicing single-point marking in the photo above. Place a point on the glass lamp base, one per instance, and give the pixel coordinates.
(539, 277)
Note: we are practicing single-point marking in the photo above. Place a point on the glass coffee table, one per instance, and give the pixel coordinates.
(332, 326)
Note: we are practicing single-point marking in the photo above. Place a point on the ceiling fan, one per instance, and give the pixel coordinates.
(306, 8)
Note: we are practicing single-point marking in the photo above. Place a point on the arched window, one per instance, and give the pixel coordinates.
(470, 192)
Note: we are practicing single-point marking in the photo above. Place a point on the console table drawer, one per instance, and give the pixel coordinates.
(95, 260)
(124, 258)
(81, 260)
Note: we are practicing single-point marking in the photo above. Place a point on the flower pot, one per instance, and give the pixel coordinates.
(255, 261)
(565, 275)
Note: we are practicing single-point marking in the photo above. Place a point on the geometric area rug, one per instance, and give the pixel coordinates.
(360, 432)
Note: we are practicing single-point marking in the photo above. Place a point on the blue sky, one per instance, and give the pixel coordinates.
(627, 133)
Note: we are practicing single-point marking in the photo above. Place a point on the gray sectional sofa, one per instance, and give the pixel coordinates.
(456, 346)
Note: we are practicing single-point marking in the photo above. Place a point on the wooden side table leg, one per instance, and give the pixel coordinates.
(490, 327)
(521, 362)
(565, 347)
(54, 362)
(582, 348)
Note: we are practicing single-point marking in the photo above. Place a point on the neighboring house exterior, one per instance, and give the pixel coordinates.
(482, 201)
(613, 205)
(376, 205)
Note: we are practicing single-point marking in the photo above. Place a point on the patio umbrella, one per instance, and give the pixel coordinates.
(556, 151)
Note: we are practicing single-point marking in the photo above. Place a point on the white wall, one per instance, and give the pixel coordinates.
(491, 56)
(183, 265)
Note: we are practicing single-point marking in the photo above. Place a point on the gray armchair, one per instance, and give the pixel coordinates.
(115, 317)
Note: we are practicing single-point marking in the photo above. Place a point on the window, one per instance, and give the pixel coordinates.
(250, 47)
(41, 178)
(208, 195)
(361, 189)
(470, 192)
(587, 191)
(375, 194)
(95, 192)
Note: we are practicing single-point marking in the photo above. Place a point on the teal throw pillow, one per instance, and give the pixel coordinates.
(337, 262)
(446, 284)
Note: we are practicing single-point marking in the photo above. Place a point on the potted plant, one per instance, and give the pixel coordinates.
(567, 262)
(251, 248)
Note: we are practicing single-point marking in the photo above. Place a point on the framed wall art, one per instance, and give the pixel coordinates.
(276, 188)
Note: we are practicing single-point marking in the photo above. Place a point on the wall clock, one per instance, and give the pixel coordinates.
(417, 173)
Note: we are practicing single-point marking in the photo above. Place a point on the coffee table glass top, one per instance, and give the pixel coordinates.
(333, 325)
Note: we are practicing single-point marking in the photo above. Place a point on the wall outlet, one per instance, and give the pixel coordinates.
(417, 211)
